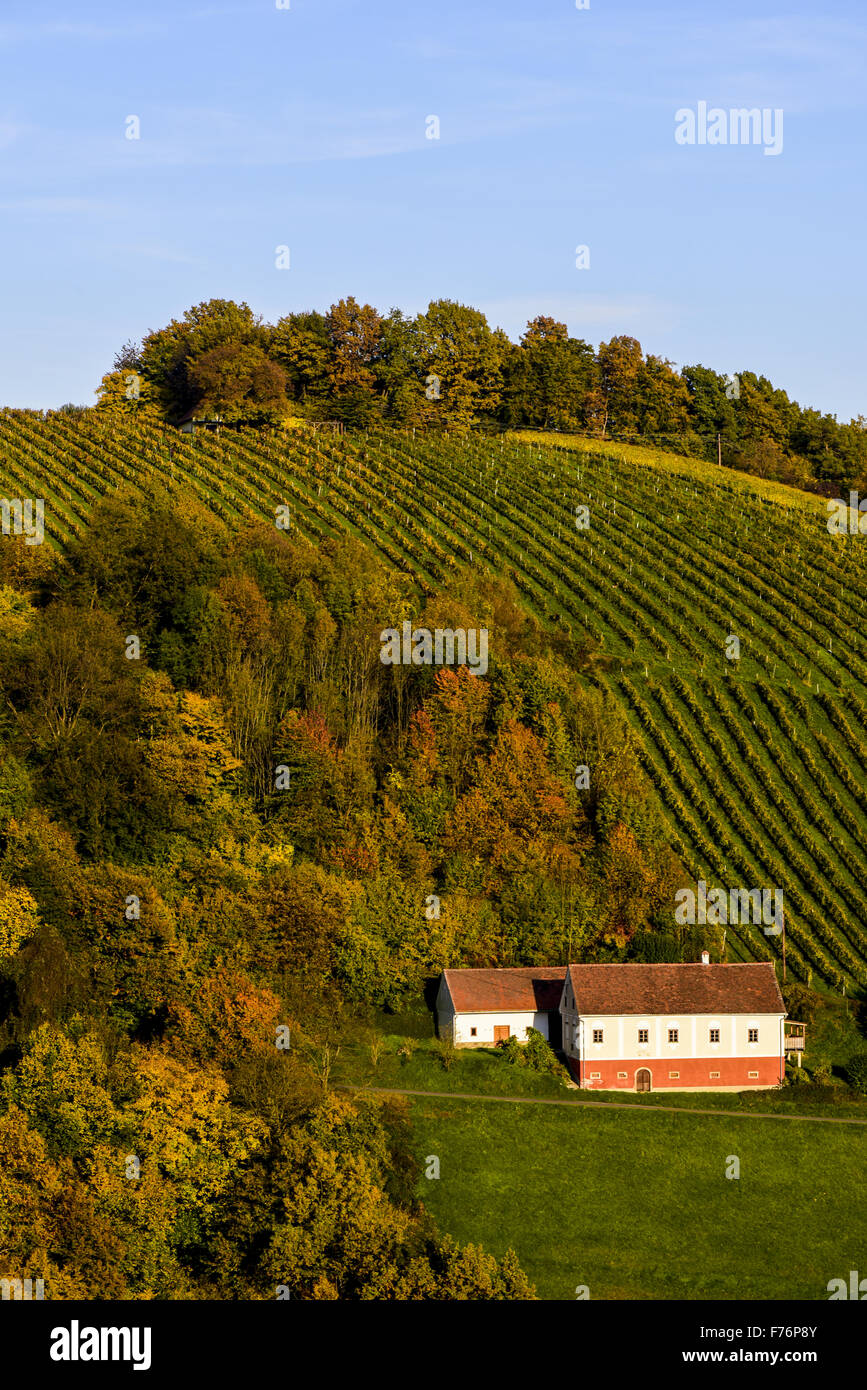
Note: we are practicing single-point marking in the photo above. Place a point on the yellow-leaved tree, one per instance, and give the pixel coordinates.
(19, 918)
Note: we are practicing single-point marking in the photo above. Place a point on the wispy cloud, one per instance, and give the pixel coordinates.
(10, 131)
(77, 29)
(59, 204)
(167, 254)
(433, 50)
(300, 132)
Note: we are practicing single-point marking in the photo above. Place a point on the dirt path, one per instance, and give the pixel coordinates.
(601, 1105)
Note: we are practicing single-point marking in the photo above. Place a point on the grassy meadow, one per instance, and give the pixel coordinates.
(639, 1206)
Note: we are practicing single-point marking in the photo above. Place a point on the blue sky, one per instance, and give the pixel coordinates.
(306, 127)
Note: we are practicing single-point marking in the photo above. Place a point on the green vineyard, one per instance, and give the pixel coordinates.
(759, 762)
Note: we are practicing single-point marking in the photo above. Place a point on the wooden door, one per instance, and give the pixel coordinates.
(642, 1080)
(502, 1031)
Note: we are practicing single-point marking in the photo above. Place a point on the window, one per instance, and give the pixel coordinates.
(714, 1035)
(672, 1035)
(753, 1073)
(714, 1076)
(595, 1076)
(597, 1034)
(621, 1076)
(473, 1032)
(753, 1035)
(643, 1035)
(674, 1076)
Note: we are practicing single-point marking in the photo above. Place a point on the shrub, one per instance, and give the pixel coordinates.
(856, 1073)
(512, 1050)
(801, 1002)
(535, 1053)
(653, 947)
(445, 1050)
(538, 1055)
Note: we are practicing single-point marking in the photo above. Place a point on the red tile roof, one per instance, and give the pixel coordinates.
(677, 989)
(533, 989)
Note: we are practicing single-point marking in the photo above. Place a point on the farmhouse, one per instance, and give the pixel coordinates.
(188, 422)
(690, 1027)
(478, 1007)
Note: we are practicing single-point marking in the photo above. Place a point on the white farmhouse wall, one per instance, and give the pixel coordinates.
(484, 1025)
(620, 1035)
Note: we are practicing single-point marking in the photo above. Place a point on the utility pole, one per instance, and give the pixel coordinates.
(784, 948)
(719, 450)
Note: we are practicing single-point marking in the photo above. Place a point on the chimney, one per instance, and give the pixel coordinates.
(705, 958)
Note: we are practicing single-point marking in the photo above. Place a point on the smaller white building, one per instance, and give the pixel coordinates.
(482, 1007)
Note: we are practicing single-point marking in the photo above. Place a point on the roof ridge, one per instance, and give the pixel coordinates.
(538, 971)
(655, 964)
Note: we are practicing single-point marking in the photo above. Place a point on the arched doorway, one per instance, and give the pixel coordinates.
(642, 1079)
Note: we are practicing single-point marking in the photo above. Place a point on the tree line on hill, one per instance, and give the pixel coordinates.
(447, 369)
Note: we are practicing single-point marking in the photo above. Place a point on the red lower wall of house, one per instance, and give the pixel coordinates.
(692, 1071)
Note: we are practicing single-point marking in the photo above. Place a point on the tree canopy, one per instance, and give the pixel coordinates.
(447, 368)
(169, 908)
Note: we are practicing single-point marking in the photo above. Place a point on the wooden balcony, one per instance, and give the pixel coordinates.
(795, 1036)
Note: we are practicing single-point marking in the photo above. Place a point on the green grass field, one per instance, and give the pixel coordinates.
(638, 1206)
(485, 1075)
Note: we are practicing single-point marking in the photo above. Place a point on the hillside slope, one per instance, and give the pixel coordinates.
(759, 762)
